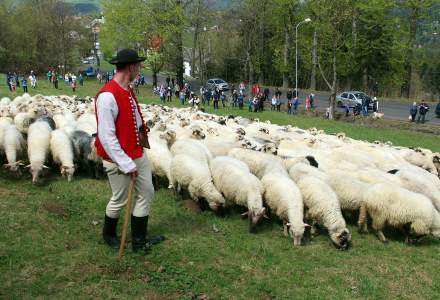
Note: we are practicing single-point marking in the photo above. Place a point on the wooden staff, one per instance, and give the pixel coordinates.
(126, 219)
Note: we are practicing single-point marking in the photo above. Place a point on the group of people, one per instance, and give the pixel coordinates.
(13, 81)
(70, 79)
(421, 109)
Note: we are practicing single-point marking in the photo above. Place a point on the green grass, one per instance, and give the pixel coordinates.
(50, 247)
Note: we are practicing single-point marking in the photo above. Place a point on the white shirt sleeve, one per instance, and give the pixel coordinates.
(107, 111)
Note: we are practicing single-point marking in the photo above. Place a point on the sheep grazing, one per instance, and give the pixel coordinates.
(62, 153)
(233, 179)
(85, 152)
(38, 141)
(323, 208)
(399, 207)
(14, 146)
(284, 198)
(194, 175)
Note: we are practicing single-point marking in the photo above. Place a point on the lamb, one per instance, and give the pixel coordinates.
(38, 147)
(62, 153)
(233, 179)
(194, 175)
(399, 207)
(284, 198)
(14, 146)
(259, 163)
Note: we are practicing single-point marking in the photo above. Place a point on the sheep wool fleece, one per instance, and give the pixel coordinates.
(119, 183)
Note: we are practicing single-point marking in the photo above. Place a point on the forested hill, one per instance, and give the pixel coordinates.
(93, 6)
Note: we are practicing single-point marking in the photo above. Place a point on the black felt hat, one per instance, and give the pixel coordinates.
(126, 56)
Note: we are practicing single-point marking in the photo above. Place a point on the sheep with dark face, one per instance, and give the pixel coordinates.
(85, 152)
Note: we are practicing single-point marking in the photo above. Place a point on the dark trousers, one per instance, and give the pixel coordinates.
(279, 107)
(25, 89)
(215, 104)
(55, 84)
(421, 117)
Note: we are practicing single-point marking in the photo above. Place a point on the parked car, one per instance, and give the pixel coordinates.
(217, 83)
(90, 72)
(437, 110)
(352, 98)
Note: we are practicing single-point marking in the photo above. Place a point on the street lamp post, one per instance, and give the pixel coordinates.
(296, 54)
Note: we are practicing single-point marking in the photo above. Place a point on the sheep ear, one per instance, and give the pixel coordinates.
(28, 166)
(20, 163)
(307, 225)
(288, 224)
(45, 167)
(245, 214)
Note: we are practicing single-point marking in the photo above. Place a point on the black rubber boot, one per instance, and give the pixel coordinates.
(109, 232)
(139, 239)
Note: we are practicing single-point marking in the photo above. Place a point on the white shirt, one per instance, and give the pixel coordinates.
(107, 110)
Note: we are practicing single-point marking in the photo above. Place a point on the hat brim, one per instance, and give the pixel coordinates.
(115, 61)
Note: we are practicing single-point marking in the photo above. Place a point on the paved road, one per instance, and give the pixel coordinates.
(397, 110)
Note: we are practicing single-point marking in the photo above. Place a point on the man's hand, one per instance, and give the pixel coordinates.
(133, 174)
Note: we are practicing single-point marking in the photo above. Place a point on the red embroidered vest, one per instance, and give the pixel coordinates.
(125, 123)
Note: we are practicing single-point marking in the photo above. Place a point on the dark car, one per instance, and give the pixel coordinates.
(90, 72)
(437, 110)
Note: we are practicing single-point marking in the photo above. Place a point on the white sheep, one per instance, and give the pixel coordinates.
(14, 147)
(160, 157)
(398, 207)
(38, 141)
(4, 123)
(324, 208)
(233, 179)
(259, 163)
(191, 147)
(194, 175)
(284, 198)
(62, 153)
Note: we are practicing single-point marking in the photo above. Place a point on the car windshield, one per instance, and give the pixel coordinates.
(218, 81)
(360, 95)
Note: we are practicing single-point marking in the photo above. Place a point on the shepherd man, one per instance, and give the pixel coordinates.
(121, 129)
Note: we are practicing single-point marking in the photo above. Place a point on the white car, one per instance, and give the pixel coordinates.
(352, 99)
(217, 83)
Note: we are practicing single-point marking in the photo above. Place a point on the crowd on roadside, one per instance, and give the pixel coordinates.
(14, 81)
(418, 111)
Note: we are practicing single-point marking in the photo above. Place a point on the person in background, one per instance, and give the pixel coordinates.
(347, 109)
(12, 83)
(169, 93)
(295, 105)
(173, 80)
(55, 80)
(240, 101)
(255, 103)
(250, 103)
(273, 102)
(289, 106)
(73, 85)
(81, 79)
(375, 105)
(177, 90)
(234, 97)
(312, 100)
(266, 94)
(24, 84)
(289, 95)
(307, 105)
(223, 98)
(33, 80)
(17, 80)
(182, 97)
(242, 87)
(8, 81)
(278, 104)
(423, 110)
(413, 110)
(49, 75)
(364, 106)
(208, 95)
(216, 99)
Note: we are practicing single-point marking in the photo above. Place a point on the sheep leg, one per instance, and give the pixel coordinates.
(285, 228)
(362, 221)
(378, 226)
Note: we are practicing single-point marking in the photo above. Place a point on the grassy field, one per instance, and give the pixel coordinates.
(50, 245)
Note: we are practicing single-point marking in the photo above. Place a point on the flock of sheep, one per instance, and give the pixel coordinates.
(304, 177)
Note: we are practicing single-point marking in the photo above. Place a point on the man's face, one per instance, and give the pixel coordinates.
(135, 70)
